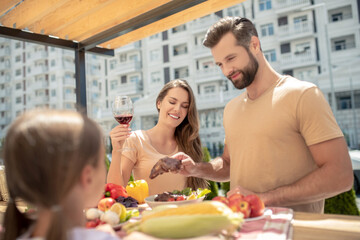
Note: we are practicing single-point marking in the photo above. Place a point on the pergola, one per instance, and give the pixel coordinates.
(97, 26)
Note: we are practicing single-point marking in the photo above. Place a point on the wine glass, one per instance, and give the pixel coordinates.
(123, 110)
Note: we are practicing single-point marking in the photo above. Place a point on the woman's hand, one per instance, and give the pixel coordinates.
(118, 135)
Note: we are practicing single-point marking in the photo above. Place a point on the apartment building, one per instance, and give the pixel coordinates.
(35, 76)
(312, 40)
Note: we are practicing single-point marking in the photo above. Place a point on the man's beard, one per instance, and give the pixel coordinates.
(248, 73)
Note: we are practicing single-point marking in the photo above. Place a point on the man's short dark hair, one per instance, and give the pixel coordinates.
(242, 28)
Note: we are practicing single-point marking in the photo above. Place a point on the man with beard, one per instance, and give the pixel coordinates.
(282, 141)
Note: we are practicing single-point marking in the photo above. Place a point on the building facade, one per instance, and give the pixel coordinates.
(312, 40)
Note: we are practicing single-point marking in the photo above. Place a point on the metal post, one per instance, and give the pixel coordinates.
(328, 47)
(80, 77)
(353, 108)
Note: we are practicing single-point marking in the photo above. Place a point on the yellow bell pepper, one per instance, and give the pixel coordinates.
(138, 189)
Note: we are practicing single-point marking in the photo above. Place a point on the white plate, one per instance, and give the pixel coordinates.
(267, 211)
(150, 201)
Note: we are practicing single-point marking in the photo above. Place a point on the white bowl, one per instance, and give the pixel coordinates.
(150, 201)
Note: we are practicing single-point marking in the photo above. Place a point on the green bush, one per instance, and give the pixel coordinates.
(344, 203)
(213, 186)
(107, 162)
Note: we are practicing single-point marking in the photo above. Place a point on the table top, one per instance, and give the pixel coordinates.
(325, 226)
(309, 226)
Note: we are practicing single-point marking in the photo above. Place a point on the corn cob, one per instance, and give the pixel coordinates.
(192, 220)
(205, 207)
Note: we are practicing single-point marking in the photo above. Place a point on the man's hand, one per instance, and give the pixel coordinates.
(188, 166)
(240, 190)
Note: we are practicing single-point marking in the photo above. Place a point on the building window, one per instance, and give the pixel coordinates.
(209, 89)
(18, 100)
(53, 63)
(113, 84)
(18, 45)
(264, 5)
(134, 79)
(340, 45)
(302, 48)
(285, 48)
(18, 86)
(180, 49)
(112, 64)
(270, 55)
(267, 30)
(155, 55)
(53, 92)
(233, 11)
(345, 102)
(155, 36)
(123, 57)
(181, 72)
(133, 58)
(180, 28)
(336, 17)
(18, 58)
(18, 72)
(155, 77)
(300, 19)
(123, 79)
(282, 21)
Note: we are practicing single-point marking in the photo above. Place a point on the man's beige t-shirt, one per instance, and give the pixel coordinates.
(144, 157)
(268, 138)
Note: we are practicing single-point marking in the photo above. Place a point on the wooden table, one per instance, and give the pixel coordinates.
(307, 226)
(313, 226)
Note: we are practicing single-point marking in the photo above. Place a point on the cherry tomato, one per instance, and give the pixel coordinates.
(180, 198)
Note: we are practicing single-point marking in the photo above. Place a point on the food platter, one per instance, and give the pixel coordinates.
(152, 203)
(267, 211)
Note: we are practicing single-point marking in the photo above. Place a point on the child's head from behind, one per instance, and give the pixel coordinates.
(46, 152)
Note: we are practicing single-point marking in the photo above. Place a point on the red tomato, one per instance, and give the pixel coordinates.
(171, 199)
(180, 198)
(92, 223)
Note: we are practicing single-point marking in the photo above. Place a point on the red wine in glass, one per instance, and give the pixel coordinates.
(123, 119)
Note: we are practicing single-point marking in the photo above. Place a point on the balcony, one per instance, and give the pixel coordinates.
(126, 67)
(5, 78)
(202, 24)
(69, 66)
(200, 51)
(69, 82)
(130, 47)
(301, 29)
(35, 70)
(208, 75)
(70, 97)
(4, 51)
(283, 6)
(128, 89)
(293, 60)
(5, 66)
(213, 100)
(40, 55)
(40, 100)
(39, 85)
(5, 107)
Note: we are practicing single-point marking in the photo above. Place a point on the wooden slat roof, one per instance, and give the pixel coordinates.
(107, 24)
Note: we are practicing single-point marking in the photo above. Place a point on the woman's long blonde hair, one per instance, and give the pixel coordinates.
(187, 133)
(45, 152)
